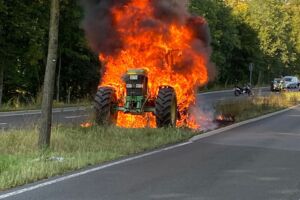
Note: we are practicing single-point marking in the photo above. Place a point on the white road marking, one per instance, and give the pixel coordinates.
(288, 134)
(215, 92)
(294, 115)
(74, 117)
(51, 182)
(227, 91)
(1, 124)
(36, 112)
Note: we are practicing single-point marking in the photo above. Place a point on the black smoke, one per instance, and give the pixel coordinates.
(170, 10)
(99, 25)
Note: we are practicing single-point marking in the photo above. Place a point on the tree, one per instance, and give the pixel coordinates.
(2, 10)
(49, 80)
(225, 37)
(23, 39)
(294, 7)
(272, 22)
(79, 66)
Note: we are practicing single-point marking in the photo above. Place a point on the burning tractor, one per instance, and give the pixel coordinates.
(137, 101)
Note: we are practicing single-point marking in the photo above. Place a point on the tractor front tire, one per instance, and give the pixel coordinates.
(166, 108)
(105, 101)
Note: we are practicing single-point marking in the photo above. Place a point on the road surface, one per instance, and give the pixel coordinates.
(256, 161)
(22, 119)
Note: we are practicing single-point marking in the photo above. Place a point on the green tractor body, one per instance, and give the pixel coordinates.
(137, 101)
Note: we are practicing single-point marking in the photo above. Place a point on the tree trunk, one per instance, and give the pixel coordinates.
(259, 79)
(69, 95)
(58, 78)
(1, 82)
(48, 90)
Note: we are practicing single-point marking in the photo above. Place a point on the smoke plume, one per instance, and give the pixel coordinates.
(104, 38)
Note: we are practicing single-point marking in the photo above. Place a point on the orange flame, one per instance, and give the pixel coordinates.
(167, 53)
(86, 125)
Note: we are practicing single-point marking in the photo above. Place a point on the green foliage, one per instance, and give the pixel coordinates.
(265, 33)
(272, 22)
(23, 45)
(80, 68)
(23, 50)
(230, 39)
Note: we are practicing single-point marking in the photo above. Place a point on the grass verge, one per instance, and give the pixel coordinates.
(74, 148)
(247, 108)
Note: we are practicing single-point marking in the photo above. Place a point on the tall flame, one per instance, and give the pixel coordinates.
(174, 50)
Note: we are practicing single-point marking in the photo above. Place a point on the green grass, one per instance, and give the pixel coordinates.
(21, 162)
(247, 108)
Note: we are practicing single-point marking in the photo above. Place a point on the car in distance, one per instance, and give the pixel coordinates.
(277, 85)
(290, 82)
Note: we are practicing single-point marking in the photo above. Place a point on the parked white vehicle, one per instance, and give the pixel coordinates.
(290, 82)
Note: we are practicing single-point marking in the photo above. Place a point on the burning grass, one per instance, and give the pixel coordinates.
(246, 108)
(74, 148)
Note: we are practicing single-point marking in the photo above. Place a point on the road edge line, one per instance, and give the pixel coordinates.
(227, 91)
(227, 128)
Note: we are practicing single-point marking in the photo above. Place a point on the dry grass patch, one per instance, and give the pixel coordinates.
(246, 108)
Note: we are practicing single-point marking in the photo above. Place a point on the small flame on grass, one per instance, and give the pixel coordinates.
(86, 125)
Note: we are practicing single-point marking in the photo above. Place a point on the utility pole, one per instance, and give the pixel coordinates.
(48, 89)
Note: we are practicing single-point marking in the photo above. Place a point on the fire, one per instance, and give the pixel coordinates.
(225, 118)
(168, 49)
(86, 125)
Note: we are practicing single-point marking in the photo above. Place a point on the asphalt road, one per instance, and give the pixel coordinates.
(256, 161)
(23, 119)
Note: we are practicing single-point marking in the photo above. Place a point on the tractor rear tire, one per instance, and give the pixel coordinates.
(105, 101)
(166, 108)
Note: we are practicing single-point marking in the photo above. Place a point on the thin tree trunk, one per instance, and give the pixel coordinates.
(1, 82)
(259, 79)
(69, 95)
(46, 117)
(58, 78)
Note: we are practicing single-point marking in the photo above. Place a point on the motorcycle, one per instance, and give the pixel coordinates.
(243, 90)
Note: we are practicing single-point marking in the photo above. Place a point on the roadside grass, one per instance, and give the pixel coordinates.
(74, 148)
(247, 108)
